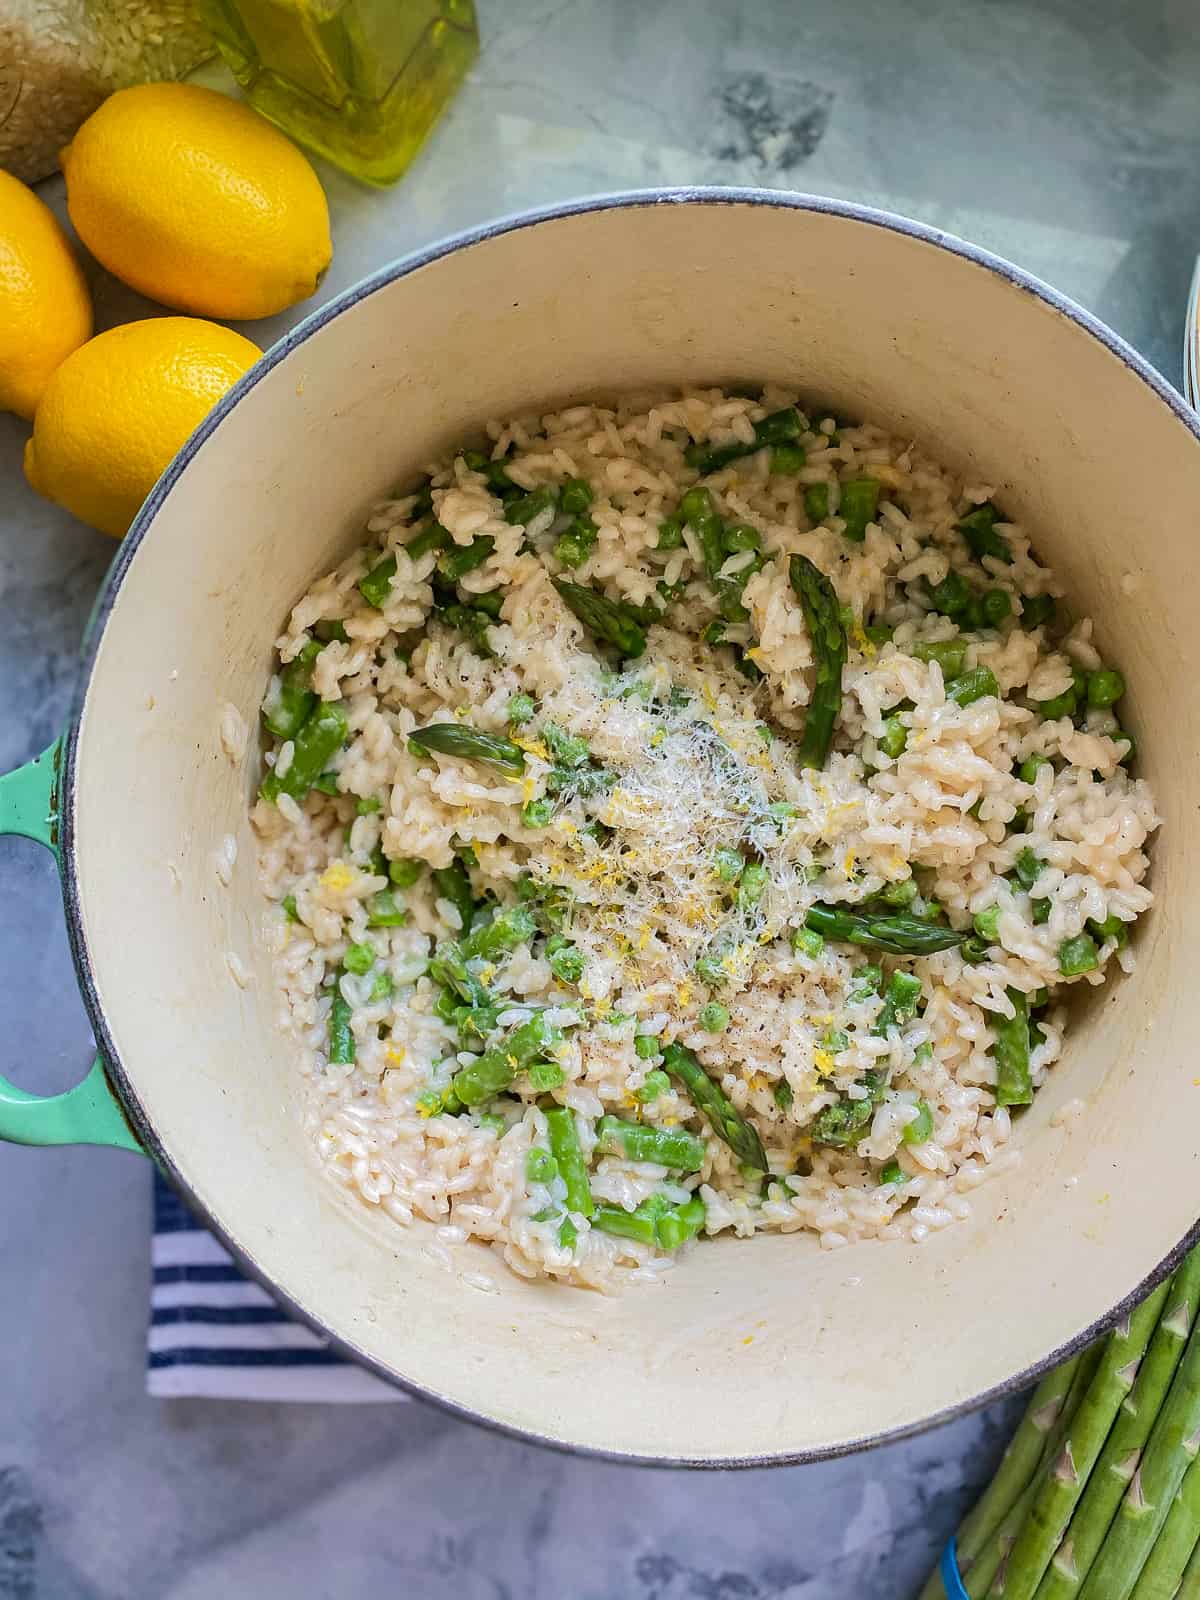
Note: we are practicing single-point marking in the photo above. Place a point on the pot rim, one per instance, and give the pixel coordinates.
(427, 255)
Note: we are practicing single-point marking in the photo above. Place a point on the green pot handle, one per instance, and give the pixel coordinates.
(90, 1113)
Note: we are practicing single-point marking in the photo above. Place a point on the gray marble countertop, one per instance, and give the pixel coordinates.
(1061, 134)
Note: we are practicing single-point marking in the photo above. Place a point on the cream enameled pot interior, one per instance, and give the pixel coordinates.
(754, 1349)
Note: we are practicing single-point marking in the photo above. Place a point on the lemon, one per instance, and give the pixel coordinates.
(45, 308)
(196, 201)
(118, 409)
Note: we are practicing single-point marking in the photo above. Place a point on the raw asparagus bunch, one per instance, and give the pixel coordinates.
(1098, 1495)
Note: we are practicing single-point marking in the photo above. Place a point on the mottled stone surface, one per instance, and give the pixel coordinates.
(1061, 134)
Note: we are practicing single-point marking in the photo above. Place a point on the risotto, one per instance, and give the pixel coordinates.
(682, 818)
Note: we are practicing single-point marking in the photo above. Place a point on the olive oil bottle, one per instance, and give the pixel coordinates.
(359, 81)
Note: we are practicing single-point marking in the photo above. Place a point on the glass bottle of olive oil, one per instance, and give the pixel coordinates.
(359, 81)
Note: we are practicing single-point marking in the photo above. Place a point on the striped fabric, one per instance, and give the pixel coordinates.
(214, 1333)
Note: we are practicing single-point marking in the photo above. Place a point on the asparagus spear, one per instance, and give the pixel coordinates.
(979, 1570)
(1060, 1491)
(1165, 1566)
(460, 559)
(468, 744)
(341, 1035)
(495, 1069)
(1170, 1450)
(292, 701)
(1122, 1449)
(666, 1147)
(321, 734)
(899, 1003)
(1015, 1471)
(845, 1122)
(715, 1106)
(524, 507)
(449, 968)
(1010, 1048)
(895, 935)
(655, 1221)
(1042, 1424)
(502, 935)
(453, 884)
(780, 427)
(978, 528)
(610, 620)
(822, 617)
(857, 505)
(565, 1148)
(1189, 1589)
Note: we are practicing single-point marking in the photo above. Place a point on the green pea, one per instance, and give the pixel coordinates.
(921, 1126)
(741, 536)
(1078, 955)
(972, 616)
(713, 1018)
(751, 885)
(566, 959)
(383, 912)
(728, 863)
(537, 813)
(656, 1084)
(1104, 688)
(893, 1172)
(697, 503)
(997, 605)
(405, 870)
(710, 969)
(1061, 705)
(987, 923)
(808, 942)
(670, 534)
(898, 894)
(521, 709)
(1031, 766)
(359, 959)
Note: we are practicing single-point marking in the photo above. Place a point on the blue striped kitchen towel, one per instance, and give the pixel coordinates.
(215, 1333)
